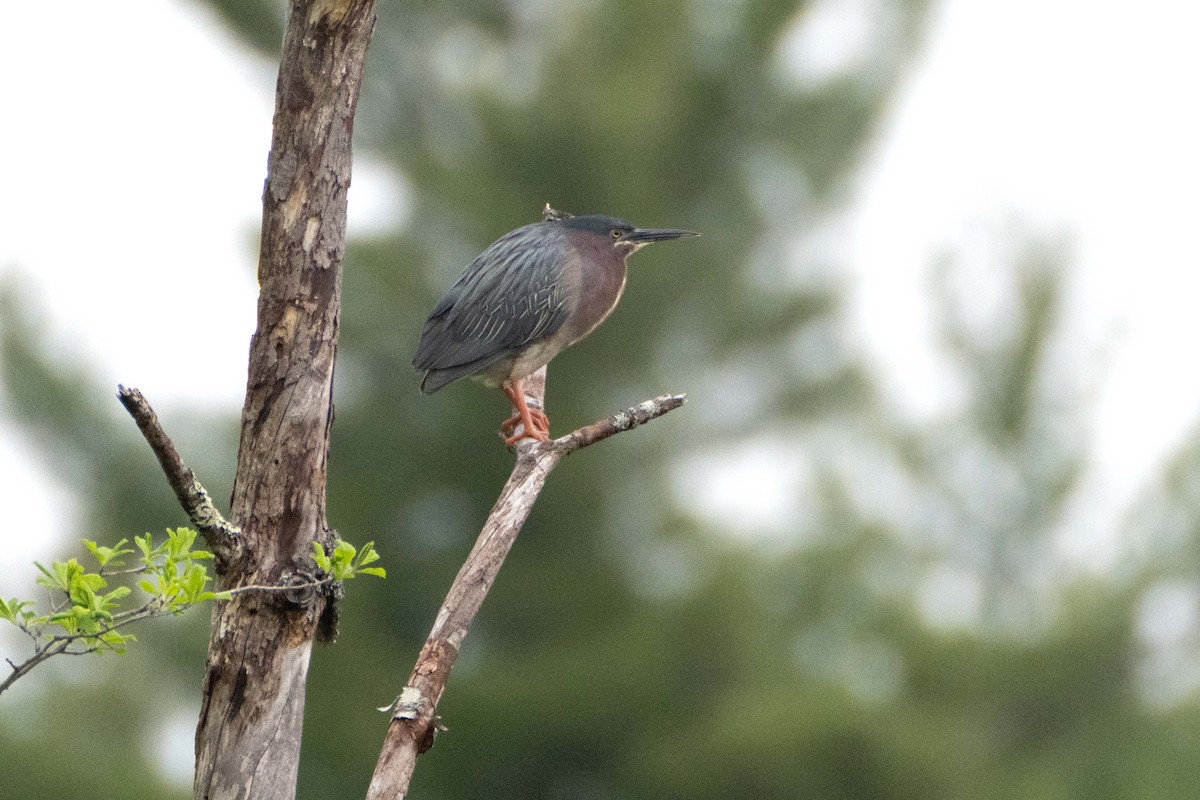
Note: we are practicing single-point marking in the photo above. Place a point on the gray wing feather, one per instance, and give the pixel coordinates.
(509, 297)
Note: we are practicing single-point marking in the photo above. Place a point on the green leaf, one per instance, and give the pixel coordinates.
(322, 560)
(119, 593)
(343, 553)
(92, 580)
(110, 600)
(367, 554)
(51, 579)
(179, 542)
(11, 609)
(115, 640)
(86, 620)
(343, 561)
(83, 595)
(378, 572)
(149, 551)
(106, 556)
(193, 582)
(65, 620)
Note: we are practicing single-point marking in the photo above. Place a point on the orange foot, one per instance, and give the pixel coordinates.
(534, 421)
(540, 429)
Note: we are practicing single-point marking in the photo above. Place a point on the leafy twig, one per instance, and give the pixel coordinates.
(89, 617)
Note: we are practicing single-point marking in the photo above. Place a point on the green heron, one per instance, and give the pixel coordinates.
(531, 294)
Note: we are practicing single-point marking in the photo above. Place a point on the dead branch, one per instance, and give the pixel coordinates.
(414, 721)
(222, 537)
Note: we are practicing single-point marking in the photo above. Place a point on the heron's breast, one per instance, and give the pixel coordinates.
(601, 283)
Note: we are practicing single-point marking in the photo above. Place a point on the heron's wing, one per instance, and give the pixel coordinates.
(510, 296)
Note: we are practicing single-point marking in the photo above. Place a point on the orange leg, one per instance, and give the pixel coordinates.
(534, 420)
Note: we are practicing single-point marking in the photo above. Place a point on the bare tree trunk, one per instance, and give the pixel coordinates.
(248, 737)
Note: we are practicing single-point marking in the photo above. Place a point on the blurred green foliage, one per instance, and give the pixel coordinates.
(637, 645)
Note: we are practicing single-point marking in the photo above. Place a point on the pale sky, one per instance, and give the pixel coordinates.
(140, 162)
(1070, 117)
(1078, 119)
(1069, 120)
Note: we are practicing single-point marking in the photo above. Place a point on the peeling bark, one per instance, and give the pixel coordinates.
(248, 737)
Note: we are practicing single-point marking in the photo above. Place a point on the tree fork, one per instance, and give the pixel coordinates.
(414, 721)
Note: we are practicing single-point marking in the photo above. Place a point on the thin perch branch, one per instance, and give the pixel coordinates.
(414, 721)
(51, 649)
(221, 536)
(625, 420)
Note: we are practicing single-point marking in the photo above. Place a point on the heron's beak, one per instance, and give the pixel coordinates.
(648, 235)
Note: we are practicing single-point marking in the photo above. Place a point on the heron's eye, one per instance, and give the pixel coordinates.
(616, 233)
